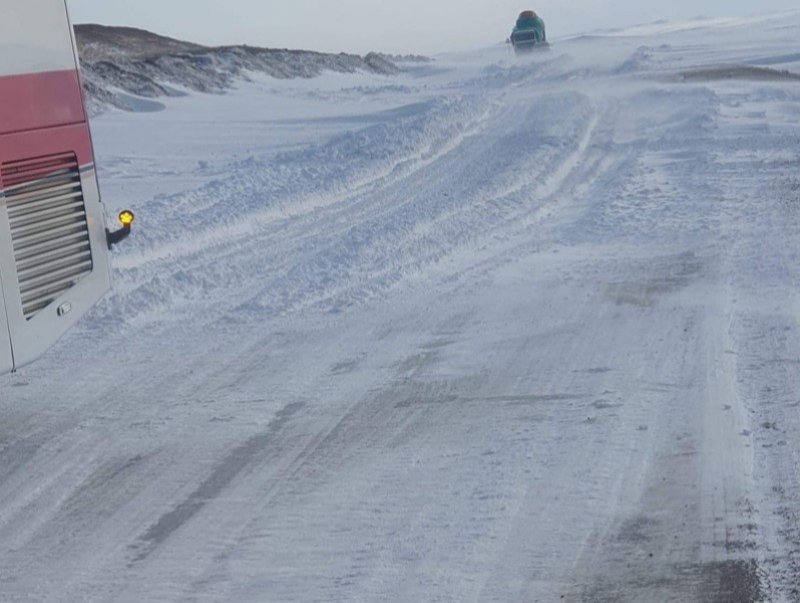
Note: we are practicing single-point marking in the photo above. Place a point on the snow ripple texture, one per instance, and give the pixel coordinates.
(489, 329)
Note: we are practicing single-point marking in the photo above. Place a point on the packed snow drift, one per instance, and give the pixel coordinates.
(490, 328)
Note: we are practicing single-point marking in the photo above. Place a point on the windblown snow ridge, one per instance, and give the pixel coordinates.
(126, 68)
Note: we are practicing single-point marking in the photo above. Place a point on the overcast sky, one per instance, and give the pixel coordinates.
(424, 26)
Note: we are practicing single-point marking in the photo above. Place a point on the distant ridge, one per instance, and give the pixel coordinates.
(128, 68)
(102, 42)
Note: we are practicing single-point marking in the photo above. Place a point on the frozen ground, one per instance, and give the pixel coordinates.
(492, 330)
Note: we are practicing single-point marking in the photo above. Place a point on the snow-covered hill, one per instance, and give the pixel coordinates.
(489, 329)
(122, 66)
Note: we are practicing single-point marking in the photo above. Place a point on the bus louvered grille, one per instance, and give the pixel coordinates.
(49, 229)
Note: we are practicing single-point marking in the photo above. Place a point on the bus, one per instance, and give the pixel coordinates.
(54, 244)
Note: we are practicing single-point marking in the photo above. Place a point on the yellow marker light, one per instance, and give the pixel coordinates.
(126, 218)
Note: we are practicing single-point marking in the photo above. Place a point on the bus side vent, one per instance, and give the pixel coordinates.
(49, 230)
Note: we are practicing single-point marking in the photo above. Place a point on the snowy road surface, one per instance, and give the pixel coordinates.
(492, 330)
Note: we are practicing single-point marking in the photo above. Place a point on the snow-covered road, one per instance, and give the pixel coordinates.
(492, 330)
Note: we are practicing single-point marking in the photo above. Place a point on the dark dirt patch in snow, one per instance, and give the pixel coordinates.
(534, 398)
(738, 72)
(721, 582)
(677, 274)
(736, 580)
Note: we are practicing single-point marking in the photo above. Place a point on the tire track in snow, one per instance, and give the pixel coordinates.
(336, 226)
(221, 478)
(535, 407)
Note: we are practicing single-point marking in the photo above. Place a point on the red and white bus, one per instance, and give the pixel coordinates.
(54, 260)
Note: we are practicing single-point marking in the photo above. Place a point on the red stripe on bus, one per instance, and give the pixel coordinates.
(40, 100)
(37, 144)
